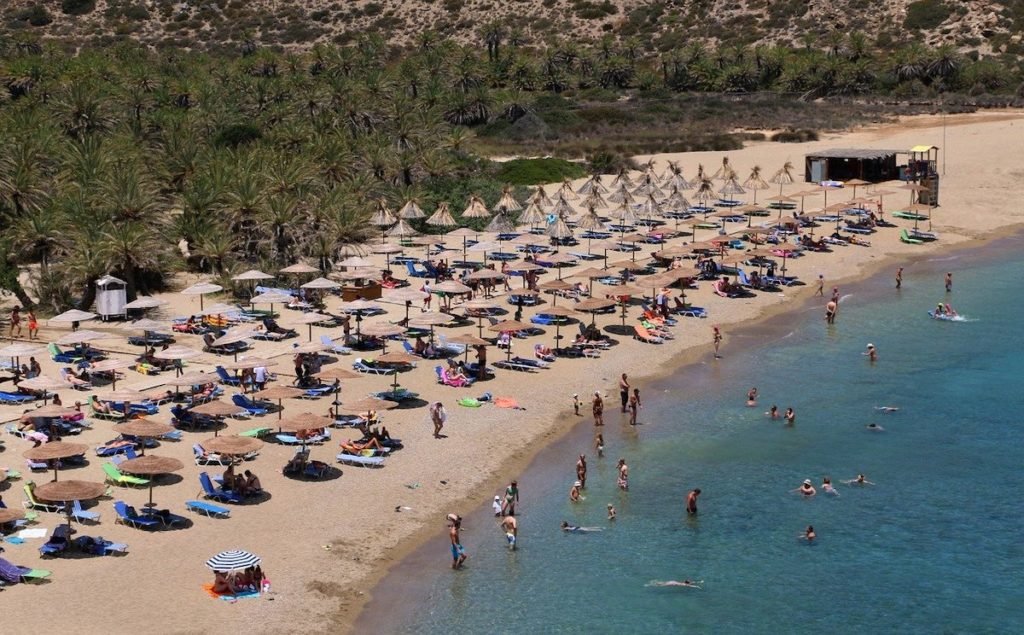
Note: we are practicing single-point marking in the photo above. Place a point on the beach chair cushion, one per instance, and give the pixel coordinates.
(363, 461)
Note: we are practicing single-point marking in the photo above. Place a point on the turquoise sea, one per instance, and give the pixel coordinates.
(934, 547)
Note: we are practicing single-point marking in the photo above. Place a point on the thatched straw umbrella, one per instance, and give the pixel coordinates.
(783, 176)
(442, 217)
(411, 210)
(507, 203)
(755, 182)
(475, 208)
(382, 217)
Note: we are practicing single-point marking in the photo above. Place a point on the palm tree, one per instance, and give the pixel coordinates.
(131, 248)
(37, 236)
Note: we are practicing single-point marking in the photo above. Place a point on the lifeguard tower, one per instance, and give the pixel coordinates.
(111, 296)
(923, 169)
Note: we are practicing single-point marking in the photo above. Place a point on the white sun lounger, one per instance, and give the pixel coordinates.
(365, 461)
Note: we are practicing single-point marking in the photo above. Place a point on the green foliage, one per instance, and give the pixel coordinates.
(926, 14)
(588, 10)
(77, 7)
(35, 15)
(536, 171)
(795, 136)
(237, 134)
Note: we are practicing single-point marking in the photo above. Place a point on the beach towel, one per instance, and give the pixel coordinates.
(33, 533)
(469, 402)
(13, 540)
(507, 402)
(230, 598)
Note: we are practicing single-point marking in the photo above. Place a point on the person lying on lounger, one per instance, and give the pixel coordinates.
(356, 447)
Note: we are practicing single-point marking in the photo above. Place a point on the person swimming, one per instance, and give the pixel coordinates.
(808, 535)
(752, 397)
(886, 409)
(860, 480)
(826, 486)
(690, 584)
(773, 412)
(806, 489)
(874, 427)
(576, 529)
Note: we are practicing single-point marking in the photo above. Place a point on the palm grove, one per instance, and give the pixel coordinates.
(110, 158)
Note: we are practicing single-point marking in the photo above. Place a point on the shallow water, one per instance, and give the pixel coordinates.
(933, 547)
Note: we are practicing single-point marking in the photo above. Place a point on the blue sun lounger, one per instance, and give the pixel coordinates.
(208, 509)
(126, 515)
(217, 494)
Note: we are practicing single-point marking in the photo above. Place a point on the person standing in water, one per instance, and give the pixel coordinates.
(598, 408)
(511, 498)
(634, 406)
(949, 282)
(871, 353)
(624, 391)
(599, 445)
(899, 278)
(623, 480)
(458, 553)
(830, 311)
(718, 339)
(581, 471)
(611, 512)
(790, 416)
(691, 502)
(835, 294)
(510, 526)
(752, 397)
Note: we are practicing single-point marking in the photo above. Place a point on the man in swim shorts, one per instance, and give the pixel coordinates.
(510, 526)
(691, 502)
(458, 553)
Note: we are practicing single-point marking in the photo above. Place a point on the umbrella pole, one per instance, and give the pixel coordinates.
(310, 332)
(150, 504)
(55, 470)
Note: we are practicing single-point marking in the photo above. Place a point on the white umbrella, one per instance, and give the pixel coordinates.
(321, 283)
(299, 267)
(145, 302)
(74, 315)
(79, 337)
(359, 261)
(200, 289)
(252, 274)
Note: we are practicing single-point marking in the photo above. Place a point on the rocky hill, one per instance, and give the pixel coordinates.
(984, 26)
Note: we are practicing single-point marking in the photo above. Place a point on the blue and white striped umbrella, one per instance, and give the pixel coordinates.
(233, 560)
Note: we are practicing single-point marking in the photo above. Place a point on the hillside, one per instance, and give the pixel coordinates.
(985, 26)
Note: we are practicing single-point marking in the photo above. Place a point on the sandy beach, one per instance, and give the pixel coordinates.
(324, 544)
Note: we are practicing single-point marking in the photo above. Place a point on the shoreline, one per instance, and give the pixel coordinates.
(388, 592)
(801, 298)
(355, 616)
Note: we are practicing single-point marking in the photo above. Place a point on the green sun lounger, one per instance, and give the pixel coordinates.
(255, 432)
(907, 238)
(35, 575)
(114, 475)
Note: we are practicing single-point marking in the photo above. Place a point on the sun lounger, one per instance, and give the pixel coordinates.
(163, 516)
(208, 509)
(58, 541)
(98, 546)
(217, 493)
(906, 238)
(32, 503)
(643, 335)
(126, 515)
(331, 347)
(115, 476)
(225, 378)
(316, 392)
(360, 366)
(362, 461)
(248, 405)
(81, 515)
(12, 573)
(60, 356)
(113, 415)
(515, 365)
(13, 398)
(255, 433)
(202, 457)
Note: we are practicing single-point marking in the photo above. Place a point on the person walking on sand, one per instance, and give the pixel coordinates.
(598, 408)
(899, 278)
(717, 333)
(438, 416)
(458, 553)
(16, 322)
(581, 471)
(576, 403)
(511, 498)
(481, 362)
(949, 282)
(33, 325)
(821, 285)
(624, 391)
(510, 526)
(691, 501)
(830, 312)
(634, 406)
